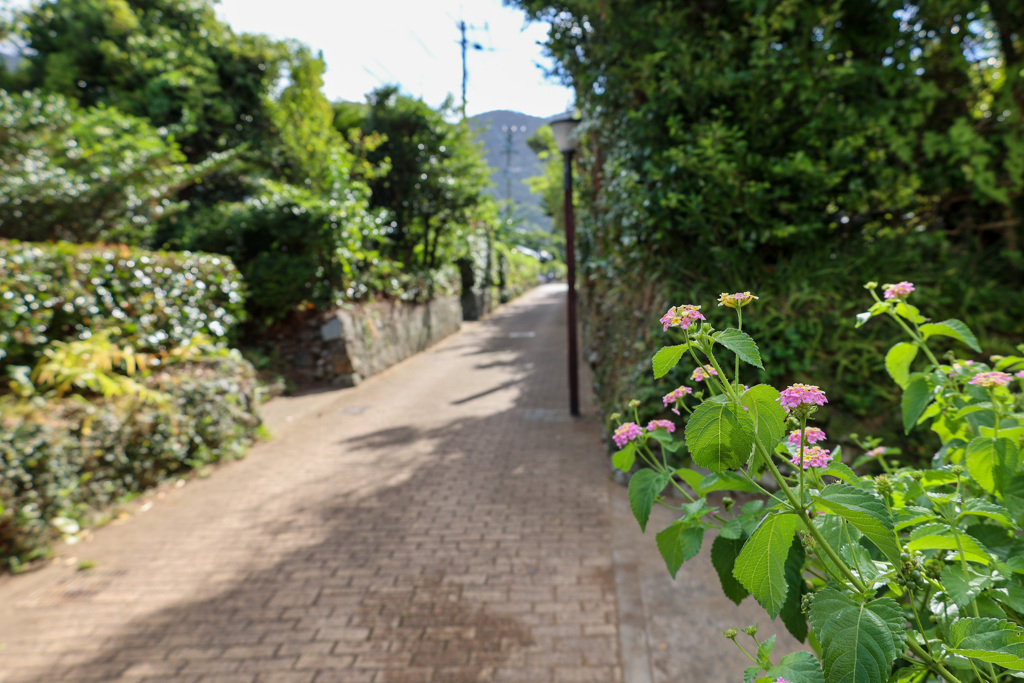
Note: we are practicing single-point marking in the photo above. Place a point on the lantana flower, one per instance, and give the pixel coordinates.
(802, 398)
(1019, 374)
(628, 431)
(814, 456)
(780, 679)
(812, 434)
(667, 425)
(737, 300)
(675, 397)
(681, 316)
(875, 452)
(702, 373)
(898, 291)
(991, 379)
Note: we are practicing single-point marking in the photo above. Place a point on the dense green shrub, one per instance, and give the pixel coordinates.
(153, 300)
(67, 459)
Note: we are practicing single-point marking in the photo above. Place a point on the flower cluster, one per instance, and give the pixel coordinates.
(681, 316)
(737, 300)
(898, 291)
(991, 379)
(812, 435)
(875, 452)
(802, 398)
(626, 432)
(815, 456)
(702, 373)
(667, 425)
(675, 397)
(1019, 374)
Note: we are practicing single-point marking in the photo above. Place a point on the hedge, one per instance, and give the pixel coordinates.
(155, 300)
(64, 461)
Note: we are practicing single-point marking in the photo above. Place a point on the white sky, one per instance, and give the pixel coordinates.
(415, 43)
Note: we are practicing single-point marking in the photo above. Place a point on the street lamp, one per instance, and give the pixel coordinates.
(565, 138)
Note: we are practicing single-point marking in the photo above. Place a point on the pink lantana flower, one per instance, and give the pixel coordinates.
(1019, 374)
(626, 432)
(811, 434)
(802, 398)
(702, 373)
(814, 456)
(991, 379)
(875, 452)
(737, 300)
(899, 291)
(681, 316)
(675, 397)
(667, 425)
(780, 679)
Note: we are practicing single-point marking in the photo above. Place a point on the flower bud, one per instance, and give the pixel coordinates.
(751, 630)
(730, 633)
(727, 503)
(614, 416)
(957, 470)
(634, 403)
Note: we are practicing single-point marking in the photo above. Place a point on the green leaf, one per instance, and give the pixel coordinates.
(963, 587)
(910, 312)
(769, 418)
(941, 537)
(798, 667)
(724, 552)
(898, 360)
(740, 343)
(764, 652)
(916, 397)
(644, 488)
(691, 477)
(750, 674)
(624, 459)
(866, 512)
(791, 613)
(990, 640)
(719, 436)
(859, 641)
(842, 472)
(951, 328)
(1012, 597)
(679, 542)
(760, 566)
(992, 462)
(725, 481)
(980, 507)
(667, 358)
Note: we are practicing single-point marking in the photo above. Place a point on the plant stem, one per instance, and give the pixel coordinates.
(931, 662)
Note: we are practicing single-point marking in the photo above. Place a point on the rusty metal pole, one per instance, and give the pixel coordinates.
(570, 261)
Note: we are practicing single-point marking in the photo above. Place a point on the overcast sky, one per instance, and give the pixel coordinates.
(414, 43)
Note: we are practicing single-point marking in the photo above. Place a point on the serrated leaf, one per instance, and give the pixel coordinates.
(798, 667)
(961, 587)
(859, 641)
(842, 472)
(667, 358)
(1012, 597)
(898, 360)
(724, 552)
(768, 417)
(990, 640)
(624, 458)
(791, 613)
(941, 537)
(760, 566)
(750, 674)
(719, 436)
(725, 481)
(991, 462)
(692, 478)
(916, 397)
(679, 542)
(980, 507)
(740, 343)
(764, 652)
(644, 488)
(951, 328)
(866, 512)
(910, 312)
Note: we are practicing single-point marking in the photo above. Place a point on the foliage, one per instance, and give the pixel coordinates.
(85, 175)
(169, 61)
(433, 190)
(152, 301)
(854, 557)
(64, 460)
(550, 185)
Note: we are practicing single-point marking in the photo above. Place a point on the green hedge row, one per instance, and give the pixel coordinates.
(66, 460)
(155, 300)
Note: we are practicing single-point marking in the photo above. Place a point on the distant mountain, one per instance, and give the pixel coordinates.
(504, 135)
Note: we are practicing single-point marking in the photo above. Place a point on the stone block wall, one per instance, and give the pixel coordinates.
(346, 345)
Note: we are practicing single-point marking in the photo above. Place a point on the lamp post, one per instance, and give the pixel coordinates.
(565, 138)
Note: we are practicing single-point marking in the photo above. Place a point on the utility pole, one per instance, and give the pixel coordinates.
(464, 43)
(510, 150)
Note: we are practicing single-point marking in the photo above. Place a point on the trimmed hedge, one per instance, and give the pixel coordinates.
(155, 300)
(67, 459)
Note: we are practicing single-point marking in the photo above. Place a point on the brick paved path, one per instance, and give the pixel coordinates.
(444, 521)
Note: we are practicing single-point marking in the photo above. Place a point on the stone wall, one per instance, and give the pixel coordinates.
(346, 345)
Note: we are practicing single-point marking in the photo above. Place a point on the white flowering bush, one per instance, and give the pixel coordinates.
(913, 575)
